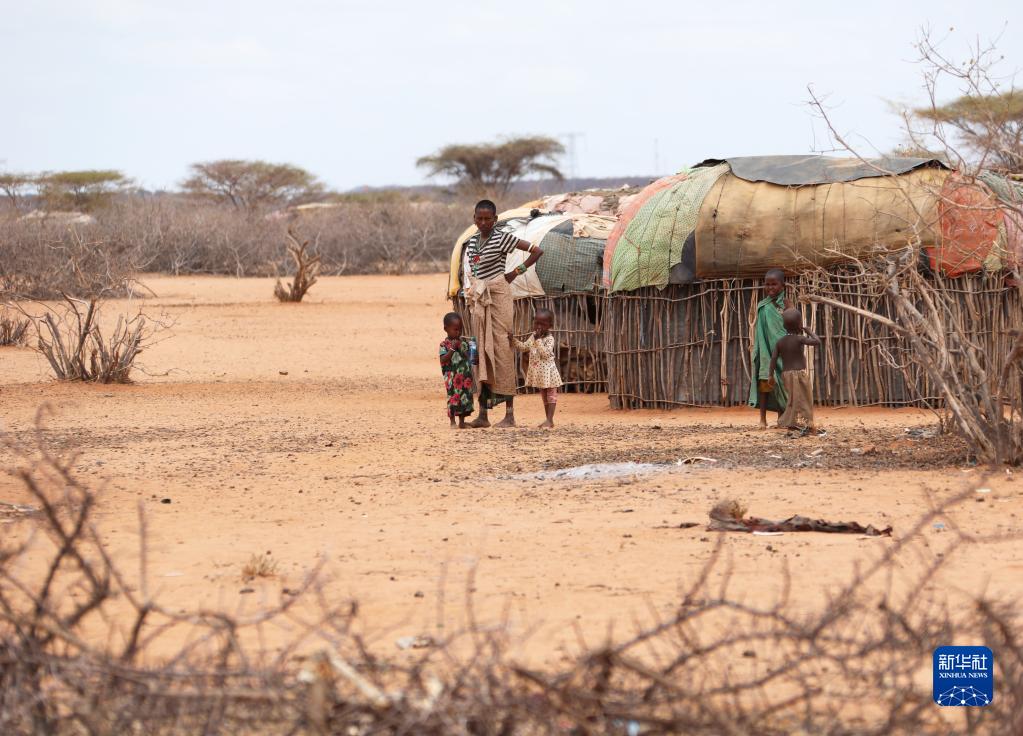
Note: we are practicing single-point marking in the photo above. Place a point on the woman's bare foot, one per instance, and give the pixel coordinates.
(546, 425)
(478, 423)
(763, 425)
(508, 421)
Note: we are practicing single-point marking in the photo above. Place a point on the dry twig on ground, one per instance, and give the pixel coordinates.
(307, 268)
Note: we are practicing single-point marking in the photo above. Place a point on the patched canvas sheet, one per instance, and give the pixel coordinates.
(746, 227)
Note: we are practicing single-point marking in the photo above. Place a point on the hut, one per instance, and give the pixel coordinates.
(567, 280)
(683, 267)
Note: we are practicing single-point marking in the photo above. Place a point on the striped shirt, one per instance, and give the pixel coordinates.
(487, 259)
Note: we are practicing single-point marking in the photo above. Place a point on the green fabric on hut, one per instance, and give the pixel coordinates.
(768, 329)
(652, 241)
(570, 264)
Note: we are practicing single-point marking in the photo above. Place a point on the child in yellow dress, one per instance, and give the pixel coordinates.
(542, 368)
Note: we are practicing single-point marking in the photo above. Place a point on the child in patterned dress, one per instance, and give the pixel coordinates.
(541, 368)
(456, 368)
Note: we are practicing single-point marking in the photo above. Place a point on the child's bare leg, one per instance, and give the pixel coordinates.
(549, 411)
(451, 416)
(509, 415)
(461, 421)
(549, 397)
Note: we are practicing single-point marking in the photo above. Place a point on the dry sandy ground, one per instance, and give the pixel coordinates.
(319, 430)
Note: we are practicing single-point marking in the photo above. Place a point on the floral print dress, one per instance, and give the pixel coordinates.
(457, 378)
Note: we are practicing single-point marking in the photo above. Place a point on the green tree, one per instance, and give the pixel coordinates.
(495, 167)
(991, 126)
(252, 184)
(80, 190)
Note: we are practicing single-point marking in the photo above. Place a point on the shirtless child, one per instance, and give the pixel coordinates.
(795, 378)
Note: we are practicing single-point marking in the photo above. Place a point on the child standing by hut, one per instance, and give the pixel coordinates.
(541, 369)
(794, 376)
(766, 388)
(456, 366)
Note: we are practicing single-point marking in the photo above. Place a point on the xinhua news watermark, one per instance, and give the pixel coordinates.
(964, 676)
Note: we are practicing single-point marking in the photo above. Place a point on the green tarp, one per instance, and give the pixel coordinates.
(652, 242)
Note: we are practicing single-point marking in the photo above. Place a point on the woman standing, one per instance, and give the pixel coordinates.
(489, 297)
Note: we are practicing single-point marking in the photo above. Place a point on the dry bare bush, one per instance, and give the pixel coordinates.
(306, 269)
(981, 386)
(13, 330)
(71, 340)
(85, 647)
(177, 235)
(42, 258)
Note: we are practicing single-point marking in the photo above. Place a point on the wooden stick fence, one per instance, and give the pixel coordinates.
(578, 332)
(688, 345)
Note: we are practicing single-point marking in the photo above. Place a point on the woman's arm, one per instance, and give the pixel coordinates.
(534, 255)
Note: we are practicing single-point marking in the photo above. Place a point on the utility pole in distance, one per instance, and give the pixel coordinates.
(573, 161)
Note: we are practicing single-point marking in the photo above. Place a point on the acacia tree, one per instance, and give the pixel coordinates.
(14, 186)
(252, 184)
(80, 190)
(990, 125)
(495, 167)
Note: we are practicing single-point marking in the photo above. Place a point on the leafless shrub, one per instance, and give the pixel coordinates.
(43, 258)
(74, 345)
(83, 633)
(306, 269)
(981, 385)
(175, 235)
(13, 330)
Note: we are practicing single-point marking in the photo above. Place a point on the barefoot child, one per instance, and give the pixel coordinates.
(456, 369)
(767, 330)
(542, 371)
(795, 378)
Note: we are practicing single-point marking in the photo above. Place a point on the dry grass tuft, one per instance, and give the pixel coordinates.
(13, 331)
(260, 566)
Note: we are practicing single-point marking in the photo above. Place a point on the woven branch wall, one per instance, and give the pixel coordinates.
(689, 345)
(578, 326)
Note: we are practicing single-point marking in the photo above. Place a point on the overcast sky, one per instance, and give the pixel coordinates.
(356, 91)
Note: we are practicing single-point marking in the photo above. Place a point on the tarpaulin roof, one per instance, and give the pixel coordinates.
(591, 201)
(807, 170)
(648, 241)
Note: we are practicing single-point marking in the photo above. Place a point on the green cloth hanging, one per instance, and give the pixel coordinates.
(769, 328)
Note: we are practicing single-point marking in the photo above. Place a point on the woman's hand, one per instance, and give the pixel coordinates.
(510, 276)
